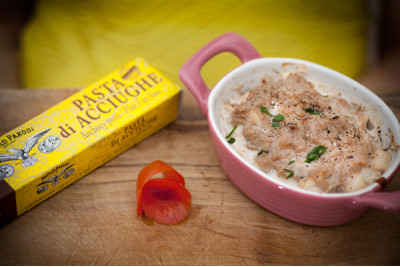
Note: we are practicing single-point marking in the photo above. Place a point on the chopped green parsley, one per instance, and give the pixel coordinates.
(312, 111)
(291, 173)
(275, 124)
(229, 135)
(265, 110)
(278, 118)
(231, 140)
(316, 153)
(262, 151)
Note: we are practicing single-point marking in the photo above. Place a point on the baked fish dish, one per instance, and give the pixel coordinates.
(306, 134)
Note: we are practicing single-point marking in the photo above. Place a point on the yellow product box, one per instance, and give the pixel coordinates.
(53, 150)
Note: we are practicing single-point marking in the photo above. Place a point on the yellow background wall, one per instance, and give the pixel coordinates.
(72, 43)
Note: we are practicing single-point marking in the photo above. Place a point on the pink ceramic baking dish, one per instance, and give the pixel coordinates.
(293, 203)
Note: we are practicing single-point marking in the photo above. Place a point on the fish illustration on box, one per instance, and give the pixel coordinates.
(55, 179)
(23, 154)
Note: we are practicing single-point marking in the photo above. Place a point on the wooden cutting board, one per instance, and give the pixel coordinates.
(93, 221)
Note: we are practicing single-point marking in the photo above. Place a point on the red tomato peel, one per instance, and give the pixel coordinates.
(149, 171)
(163, 199)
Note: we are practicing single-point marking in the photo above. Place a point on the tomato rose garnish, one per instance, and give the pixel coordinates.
(164, 199)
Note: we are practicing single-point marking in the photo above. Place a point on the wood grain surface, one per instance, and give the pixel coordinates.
(93, 221)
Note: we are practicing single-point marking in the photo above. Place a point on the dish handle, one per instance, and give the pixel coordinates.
(388, 201)
(190, 75)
